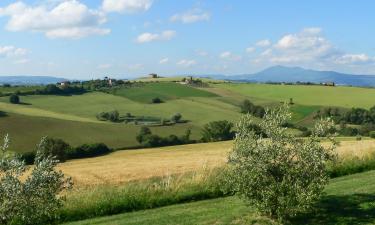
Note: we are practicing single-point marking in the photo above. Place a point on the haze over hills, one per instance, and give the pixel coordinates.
(295, 74)
(29, 80)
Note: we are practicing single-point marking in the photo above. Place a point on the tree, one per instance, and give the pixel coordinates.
(14, 99)
(247, 106)
(156, 100)
(176, 118)
(143, 133)
(30, 197)
(281, 175)
(217, 131)
(56, 148)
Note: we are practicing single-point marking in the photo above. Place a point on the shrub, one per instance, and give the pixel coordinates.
(56, 148)
(147, 139)
(14, 99)
(112, 116)
(372, 134)
(156, 100)
(30, 198)
(176, 118)
(88, 150)
(249, 107)
(217, 131)
(282, 175)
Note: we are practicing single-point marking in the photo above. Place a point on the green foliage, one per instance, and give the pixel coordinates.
(156, 100)
(33, 198)
(55, 147)
(14, 99)
(147, 139)
(249, 107)
(176, 118)
(112, 116)
(217, 131)
(88, 150)
(282, 175)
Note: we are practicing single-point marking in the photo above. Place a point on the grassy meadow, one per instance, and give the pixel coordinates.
(68, 117)
(348, 200)
(346, 97)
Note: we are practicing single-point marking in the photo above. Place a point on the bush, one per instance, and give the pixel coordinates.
(56, 148)
(249, 107)
(147, 139)
(88, 150)
(156, 100)
(14, 99)
(30, 197)
(372, 134)
(112, 116)
(217, 131)
(176, 118)
(282, 175)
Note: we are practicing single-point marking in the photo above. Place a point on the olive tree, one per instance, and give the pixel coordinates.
(280, 175)
(30, 195)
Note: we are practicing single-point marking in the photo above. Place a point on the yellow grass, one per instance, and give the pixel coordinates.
(124, 166)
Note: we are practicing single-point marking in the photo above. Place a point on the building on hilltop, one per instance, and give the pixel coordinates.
(153, 75)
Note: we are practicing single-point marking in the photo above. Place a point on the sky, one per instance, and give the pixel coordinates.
(84, 39)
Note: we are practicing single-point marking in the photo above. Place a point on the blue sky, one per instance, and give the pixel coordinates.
(84, 39)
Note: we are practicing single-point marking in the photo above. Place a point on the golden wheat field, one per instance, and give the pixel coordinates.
(123, 166)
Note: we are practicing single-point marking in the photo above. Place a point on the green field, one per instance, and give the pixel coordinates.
(165, 90)
(347, 97)
(68, 117)
(349, 200)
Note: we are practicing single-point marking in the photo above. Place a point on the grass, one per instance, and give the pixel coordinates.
(21, 88)
(144, 93)
(349, 200)
(346, 97)
(88, 105)
(123, 166)
(26, 131)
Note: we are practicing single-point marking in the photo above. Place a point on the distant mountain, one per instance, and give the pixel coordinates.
(29, 80)
(295, 74)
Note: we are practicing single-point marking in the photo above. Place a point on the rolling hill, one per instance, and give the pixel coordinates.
(29, 80)
(295, 74)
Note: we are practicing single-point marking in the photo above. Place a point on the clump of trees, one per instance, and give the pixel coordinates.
(112, 116)
(63, 151)
(156, 100)
(255, 110)
(217, 131)
(14, 99)
(30, 198)
(147, 139)
(282, 175)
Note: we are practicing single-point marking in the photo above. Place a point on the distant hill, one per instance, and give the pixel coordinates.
(29, 80)
(294, 74)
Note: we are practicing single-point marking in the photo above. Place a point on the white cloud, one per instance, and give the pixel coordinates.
(127, 6)
(191, 16)
(186, 63)
(230, 56)
(250, 49)
(149, 37)
(11, 51)
(263, 43)
(67, 19)
(201, 53)
(135, 67)
(164, 61)
(309, 47)
(354, 59)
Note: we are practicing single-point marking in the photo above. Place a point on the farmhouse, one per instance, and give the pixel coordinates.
(153, 75)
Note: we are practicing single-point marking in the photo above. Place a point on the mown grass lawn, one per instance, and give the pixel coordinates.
(347, 97)
(348, 200)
